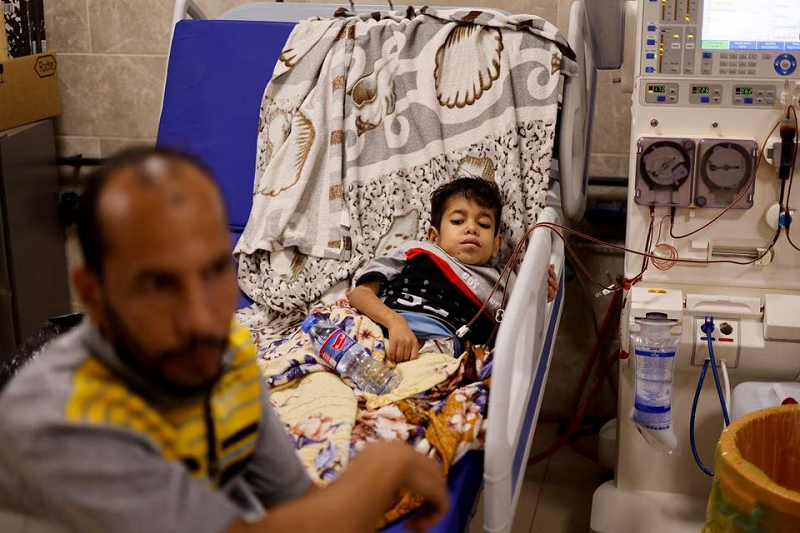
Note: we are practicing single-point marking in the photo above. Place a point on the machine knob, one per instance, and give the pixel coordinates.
(785, 64)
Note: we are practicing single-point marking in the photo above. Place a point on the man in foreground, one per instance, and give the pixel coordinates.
(152, 414)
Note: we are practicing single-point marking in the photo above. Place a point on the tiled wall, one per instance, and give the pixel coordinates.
(113, 57)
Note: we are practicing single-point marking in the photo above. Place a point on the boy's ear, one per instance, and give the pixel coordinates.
(433, 235)
(498, 240)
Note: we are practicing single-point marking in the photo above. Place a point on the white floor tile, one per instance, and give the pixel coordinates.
(11, 523)
(565, 501)
(556, 495)
(563, 508)
(37, 526)
(476, 524)
(526, 508)
(528, 503)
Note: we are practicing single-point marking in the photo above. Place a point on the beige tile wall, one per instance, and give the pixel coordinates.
(113, 59)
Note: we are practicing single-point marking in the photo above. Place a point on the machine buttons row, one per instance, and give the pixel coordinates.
(751, 64)
(734, 55)
(741, 71)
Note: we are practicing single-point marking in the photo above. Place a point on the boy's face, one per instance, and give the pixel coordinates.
(467, 232)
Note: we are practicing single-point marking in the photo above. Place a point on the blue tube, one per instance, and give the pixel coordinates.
(691, 421)
(708, 330)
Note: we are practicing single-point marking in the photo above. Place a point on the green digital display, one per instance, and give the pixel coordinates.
(701, 89)
(656, 89)
(743, 90)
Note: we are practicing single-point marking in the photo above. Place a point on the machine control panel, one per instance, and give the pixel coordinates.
(757, 95)
(717, 93)
(720, 38)
(706, 94)
(662, 93)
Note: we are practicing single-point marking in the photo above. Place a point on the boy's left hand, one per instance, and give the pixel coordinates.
(552, 284)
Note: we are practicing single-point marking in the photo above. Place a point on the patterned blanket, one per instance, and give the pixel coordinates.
(365, 116)
(439, 406)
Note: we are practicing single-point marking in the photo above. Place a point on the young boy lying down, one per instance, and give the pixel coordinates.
(422, 293)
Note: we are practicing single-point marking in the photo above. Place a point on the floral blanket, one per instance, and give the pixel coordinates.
(439, 407)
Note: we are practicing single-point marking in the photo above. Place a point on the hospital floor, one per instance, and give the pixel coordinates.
(557, 492)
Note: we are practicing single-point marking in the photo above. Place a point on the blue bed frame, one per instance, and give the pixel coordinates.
(217, 73)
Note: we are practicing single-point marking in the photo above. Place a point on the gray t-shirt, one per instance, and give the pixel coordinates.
(90, 444)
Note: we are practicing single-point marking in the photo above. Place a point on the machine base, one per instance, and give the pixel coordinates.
(621, 511)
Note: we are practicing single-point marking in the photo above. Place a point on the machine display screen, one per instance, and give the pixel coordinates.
(770, 25)
(701, 89)
(746, 91)
(657, 89)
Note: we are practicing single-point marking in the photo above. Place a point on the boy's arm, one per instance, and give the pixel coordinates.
(403, 344)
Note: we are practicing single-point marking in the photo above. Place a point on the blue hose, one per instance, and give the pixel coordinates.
(709, 329)
(691, 422)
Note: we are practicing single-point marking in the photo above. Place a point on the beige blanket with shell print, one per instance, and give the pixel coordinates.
(365, 116)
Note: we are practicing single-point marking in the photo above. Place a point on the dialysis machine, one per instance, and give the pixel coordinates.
(709, 181)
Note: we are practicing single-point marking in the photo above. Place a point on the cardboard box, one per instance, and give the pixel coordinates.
(28, 90)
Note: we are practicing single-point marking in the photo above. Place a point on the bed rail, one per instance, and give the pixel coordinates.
(186, 9)
(523, 353)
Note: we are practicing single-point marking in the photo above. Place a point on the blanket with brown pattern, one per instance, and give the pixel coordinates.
(365, 116)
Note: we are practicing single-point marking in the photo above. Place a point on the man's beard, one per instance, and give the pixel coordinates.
(132, 354)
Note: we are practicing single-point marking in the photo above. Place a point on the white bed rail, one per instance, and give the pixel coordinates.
(575, 128)
(186, 9)
(520, 367)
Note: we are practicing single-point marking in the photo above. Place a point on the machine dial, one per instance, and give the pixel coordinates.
(665, 165)
(726, 166)
(785, 64)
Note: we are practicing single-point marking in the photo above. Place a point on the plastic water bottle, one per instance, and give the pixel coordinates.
(654, 348)
(349, 358)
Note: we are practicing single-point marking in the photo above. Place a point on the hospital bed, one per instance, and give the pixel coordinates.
(217, 73)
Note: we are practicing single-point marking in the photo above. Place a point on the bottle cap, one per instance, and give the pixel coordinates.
(307, 323)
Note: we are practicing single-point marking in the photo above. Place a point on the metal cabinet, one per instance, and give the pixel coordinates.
(33, 266)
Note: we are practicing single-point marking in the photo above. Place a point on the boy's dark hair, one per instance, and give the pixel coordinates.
(90, 233)
(484, 193)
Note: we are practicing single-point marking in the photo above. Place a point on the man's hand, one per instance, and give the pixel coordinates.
(424, 477)
(403, 344)
(417, 474)
(368, 485)
(552, 284)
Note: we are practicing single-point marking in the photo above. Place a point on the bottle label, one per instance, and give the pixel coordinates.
(653, 388)
(335, 347)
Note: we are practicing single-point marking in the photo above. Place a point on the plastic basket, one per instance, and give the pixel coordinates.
(756, 484)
